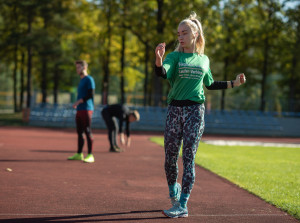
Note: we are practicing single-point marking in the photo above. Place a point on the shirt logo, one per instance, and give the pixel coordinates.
(189, 71)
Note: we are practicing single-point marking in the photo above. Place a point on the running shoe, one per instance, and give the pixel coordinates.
(176, 212)
(89, 158)
(115, 149)
(77, 156)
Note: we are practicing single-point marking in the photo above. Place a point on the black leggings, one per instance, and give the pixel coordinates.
(83, 125)
(112, 126)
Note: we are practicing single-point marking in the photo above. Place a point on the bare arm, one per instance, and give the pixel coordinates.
(159, 53)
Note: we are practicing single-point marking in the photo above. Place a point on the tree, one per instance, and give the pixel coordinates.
(12, 40)
(123, 42)
(30, 7)
(107, 6)
(236, 40)
(118, 38)
(290, 43)
(270, 31)
(143, 28)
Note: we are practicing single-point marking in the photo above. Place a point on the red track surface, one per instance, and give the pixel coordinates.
(127, 187)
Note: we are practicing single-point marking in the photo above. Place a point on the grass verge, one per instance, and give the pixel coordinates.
(14, 119)
(272, 173)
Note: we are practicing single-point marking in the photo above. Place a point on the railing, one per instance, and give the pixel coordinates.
(153, 119)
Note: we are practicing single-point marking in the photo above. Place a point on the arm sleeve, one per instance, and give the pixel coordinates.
(217, 85)
(89, 95)
(160, 72)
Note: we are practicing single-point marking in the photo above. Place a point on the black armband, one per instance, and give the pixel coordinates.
(89, 95)
(160, 71)
(217, 85)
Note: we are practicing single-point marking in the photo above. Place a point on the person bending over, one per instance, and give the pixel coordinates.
(114, 116)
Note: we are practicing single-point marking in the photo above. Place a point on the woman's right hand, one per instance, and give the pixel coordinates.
(122, 139)
(159, 52)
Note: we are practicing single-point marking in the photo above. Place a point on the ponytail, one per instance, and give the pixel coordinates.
(200, 42)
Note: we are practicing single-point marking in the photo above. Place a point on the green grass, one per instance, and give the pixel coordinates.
(272, 173)
(14, 119)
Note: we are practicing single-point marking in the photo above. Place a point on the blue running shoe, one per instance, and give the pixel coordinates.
(176, 212)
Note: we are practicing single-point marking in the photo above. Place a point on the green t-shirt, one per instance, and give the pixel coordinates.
(186, 73)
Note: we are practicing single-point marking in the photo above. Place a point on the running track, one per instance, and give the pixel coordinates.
(43, 186)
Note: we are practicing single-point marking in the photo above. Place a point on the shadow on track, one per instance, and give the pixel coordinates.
(121, 216)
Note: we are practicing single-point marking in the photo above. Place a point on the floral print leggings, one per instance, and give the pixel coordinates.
(183, 124)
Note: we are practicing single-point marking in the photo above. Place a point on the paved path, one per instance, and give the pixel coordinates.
(38, 184)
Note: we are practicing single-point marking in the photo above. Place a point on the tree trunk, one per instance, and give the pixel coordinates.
(226, 64)
(44, 65)
(44, 79)
(15, 75)
(29, 58)
(146, 74)
(106, 59)
(56, 83)
(264, 73)
(123, 30)
(266, 59)
(105, 78)
(160, 31)
(122, 67)
(292, 81)
(15, 19)
(22, 81)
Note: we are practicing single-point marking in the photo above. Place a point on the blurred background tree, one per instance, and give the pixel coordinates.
(40, 40)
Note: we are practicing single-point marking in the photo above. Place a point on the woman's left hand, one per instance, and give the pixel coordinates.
(239, 80)
(128, 142)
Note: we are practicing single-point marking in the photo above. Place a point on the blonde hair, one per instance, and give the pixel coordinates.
(193, 22)
(135, 114)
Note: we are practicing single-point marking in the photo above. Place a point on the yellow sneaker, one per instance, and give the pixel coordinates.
(89, 158)
(77, 156)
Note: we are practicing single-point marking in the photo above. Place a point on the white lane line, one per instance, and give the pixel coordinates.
(248, 143)
(237, 215)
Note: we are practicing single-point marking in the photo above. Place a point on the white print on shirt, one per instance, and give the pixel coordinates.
(180, 64)
(189, 71)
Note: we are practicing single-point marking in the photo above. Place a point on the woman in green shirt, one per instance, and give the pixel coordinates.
(186, 69)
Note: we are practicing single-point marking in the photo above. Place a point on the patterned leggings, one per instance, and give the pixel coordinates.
(183, 124)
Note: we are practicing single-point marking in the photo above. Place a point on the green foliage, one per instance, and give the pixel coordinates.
(236, 35)
(272, 173)
(12, 120)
